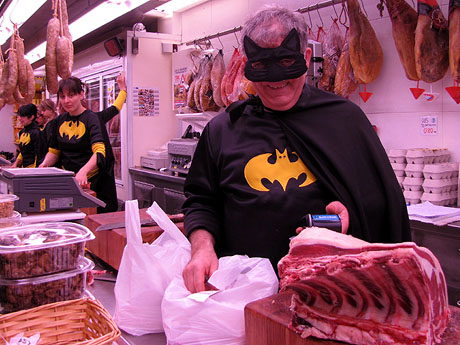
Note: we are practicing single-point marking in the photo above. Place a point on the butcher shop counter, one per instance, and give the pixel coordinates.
(267, 320)
(109, 244)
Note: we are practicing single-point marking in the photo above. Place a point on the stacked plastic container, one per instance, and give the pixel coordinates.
(8, 217)
(426, 175)
(42, 263)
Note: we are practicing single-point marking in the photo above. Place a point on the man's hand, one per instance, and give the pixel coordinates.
(203, 261)
(336, 207)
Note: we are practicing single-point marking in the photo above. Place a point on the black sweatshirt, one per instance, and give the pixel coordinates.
(247, 187)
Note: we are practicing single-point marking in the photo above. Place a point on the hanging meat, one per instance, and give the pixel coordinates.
(229, 76)
(59, 47)
(217, 73)
(235, 87)
(52, 36)
(332, 48)
(9, 79)
(431, 42)
(206, 92)
(2, 64)
(345, 82)
(366, 55)
(454, 39)
(403, 23)
(64, 45)
(357, 292)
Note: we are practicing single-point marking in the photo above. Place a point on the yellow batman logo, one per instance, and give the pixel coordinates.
(72, 128)
(259, 168)
(24, 139)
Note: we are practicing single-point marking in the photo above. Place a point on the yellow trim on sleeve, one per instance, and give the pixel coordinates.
(121, 98)
(19, 156)
(55, 152)
(98, 148)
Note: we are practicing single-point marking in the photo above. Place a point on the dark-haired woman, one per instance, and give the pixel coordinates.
(30, 143)
(78, 142)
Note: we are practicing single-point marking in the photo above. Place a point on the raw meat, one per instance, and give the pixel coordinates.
(454, 39)
(431, 42)
(345, 82)
(364, 293)
(332, 48)
(403, 23)
(366, 55)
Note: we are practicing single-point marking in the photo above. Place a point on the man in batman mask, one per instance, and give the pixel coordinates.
(265, 162)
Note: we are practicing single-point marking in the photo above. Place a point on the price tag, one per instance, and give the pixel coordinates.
(429, 125)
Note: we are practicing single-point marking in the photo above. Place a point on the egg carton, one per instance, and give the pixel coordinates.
(440, 199)
(414, 170)
(400, 180)
(413, 183)
(420, 156)
(397, 155)
(440, 171)
(399, 168)
(440, 185)
(412, 197)
(441, 155)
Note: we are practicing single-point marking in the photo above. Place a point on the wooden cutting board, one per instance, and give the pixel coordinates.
(109, 244)
(267, 320)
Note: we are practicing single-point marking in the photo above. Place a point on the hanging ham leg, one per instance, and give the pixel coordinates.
(454, 39)
(366, 55)
(431, 42)
(403, 23)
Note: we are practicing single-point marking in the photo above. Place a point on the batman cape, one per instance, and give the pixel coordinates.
(351, 162)
(333, 137)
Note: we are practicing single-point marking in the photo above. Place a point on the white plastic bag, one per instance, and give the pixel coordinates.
(217, 317)
(146, 270)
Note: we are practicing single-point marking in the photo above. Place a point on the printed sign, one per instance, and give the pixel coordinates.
(146, 101)
(429, 125)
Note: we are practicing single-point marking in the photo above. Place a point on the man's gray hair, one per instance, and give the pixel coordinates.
(274, 22)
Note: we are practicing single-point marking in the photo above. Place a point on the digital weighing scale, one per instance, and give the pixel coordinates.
(46, 189)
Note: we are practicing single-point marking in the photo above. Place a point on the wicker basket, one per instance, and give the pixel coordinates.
(79, 321)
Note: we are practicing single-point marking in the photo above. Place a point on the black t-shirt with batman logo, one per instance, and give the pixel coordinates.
(249, 188)
(74, 137)
(257, 184)
(30, 145)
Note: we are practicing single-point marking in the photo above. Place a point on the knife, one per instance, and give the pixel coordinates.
(122, 224)
(176, 218)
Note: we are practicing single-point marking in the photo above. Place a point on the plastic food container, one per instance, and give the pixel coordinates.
(19, 294)
(8, 222)
(39, 249)
(7, 205)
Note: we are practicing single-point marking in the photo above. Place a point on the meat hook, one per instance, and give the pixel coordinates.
(364, 9)
(343, 15)
(321, 19)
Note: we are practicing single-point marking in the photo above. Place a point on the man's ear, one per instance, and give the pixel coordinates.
(308, 53)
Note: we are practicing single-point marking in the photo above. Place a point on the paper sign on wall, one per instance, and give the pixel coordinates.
(146, 101)
(429, 125)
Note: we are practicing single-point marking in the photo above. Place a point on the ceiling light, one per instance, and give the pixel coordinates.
(17, 12)
(99, 16)
(178, 5)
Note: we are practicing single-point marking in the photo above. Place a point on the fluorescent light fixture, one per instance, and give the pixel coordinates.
(99, 16)
(178, 5)
(17, 12)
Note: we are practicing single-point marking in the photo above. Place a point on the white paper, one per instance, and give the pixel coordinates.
(428, 210)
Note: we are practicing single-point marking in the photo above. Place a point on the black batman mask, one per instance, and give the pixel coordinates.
(275, 64)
